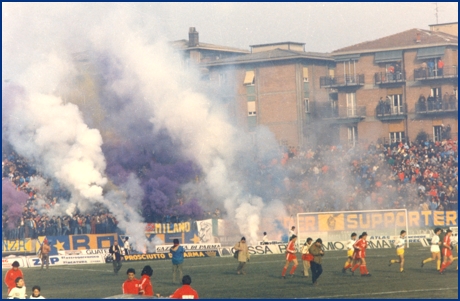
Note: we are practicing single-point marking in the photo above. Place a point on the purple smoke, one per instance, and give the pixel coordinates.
(13, 201)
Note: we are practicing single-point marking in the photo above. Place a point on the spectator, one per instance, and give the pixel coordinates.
(186, 291)
(19, 291)
(115, 250)
(177, 258)
(36, 293)
(243, 255)
(45, 250)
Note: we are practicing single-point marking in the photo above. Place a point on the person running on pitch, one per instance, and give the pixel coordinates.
(399, 244)
(435, 250)
(359, 255)
(350, 249)
(290, 256)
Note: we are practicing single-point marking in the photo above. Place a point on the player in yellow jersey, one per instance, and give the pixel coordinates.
(350, 249)
(435, 250)
(399, 244)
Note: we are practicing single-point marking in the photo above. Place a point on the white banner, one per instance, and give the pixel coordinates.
(189, 247)
(8, 261)
(83, 252)
(327, 246)
(34, 261)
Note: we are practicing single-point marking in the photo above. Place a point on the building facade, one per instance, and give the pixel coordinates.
(277, 86)
(395, 88)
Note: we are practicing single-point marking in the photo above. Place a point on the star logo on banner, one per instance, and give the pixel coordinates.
(195, 239)
(59, 245)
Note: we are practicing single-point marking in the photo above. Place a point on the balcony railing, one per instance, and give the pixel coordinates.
(342, 81)
(389, 111)
(388, 77)
(446, 72)
(326, 112)
(435, 105)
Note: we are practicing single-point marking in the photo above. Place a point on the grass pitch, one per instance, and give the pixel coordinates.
(216, 278)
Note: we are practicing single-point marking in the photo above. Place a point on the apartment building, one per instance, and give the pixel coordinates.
(385, 90)
(277, 86)
(393, 88)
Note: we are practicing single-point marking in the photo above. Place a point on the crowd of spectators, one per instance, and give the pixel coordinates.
(35, 220)
(421, 175)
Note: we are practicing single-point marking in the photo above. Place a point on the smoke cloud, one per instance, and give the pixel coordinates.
(102, 104)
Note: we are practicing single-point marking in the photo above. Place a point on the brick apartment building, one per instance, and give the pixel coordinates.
(381, 88)
(276, 85)
(389, 89)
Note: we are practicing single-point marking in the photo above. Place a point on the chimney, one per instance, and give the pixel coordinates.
(418, 38)
(193, 39)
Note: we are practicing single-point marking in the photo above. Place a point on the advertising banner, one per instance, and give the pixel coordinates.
(164, 256)
(8, 261)
(188, 247)
(20, 245)
(330, 222)
(34, 261)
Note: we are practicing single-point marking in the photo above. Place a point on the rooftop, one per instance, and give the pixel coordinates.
(402, 40)
(183, 45)
(272, 55)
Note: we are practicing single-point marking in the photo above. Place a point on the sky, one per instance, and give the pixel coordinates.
(323, 27)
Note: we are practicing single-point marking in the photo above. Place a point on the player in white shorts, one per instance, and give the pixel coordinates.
(435, 250)
(399, 244)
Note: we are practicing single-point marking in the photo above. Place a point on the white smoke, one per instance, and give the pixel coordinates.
(152, 75)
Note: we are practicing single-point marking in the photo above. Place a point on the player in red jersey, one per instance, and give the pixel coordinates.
(131, 285)
(186, 291)
(290, 256)
(446, 251)
(145, 286)
(359, 255)
(11, 275)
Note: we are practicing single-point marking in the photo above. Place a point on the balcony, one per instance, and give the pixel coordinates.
(347, 80)
(382, 78)
(342, 115)
(385, 112)
(426, 74)
(435, 106)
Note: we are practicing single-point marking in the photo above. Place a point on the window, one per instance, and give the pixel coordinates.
(351, 104)
(249, 78)
(349, 68)
(305, 74)
(307, 105)
(436, 92)
(397, 137)
(437, 133)
(352, 135)
(396, 104)
(251, 108)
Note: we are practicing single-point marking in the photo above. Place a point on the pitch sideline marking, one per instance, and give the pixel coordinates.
(394, 292)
